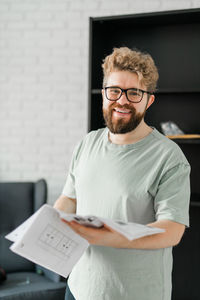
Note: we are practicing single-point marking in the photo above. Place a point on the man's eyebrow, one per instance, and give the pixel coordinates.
(116, 86)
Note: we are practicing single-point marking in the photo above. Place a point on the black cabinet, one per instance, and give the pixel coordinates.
(173, 40)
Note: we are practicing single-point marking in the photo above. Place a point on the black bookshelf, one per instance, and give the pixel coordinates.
(173, 40)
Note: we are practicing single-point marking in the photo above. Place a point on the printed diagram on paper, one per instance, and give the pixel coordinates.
(56, 242)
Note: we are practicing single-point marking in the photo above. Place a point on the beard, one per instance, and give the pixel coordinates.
(121, 126)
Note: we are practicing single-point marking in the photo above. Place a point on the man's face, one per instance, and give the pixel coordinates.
(122, 116)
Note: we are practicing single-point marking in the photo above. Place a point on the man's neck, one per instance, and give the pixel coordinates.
(131, 137)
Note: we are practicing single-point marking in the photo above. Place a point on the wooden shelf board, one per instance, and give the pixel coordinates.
(184, 136)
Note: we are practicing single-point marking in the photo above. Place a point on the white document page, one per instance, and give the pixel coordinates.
(49, 242)
(21, 229)
(132, 230)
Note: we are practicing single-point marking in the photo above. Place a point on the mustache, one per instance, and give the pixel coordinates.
(125, 106)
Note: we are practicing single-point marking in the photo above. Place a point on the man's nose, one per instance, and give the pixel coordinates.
(123, 99)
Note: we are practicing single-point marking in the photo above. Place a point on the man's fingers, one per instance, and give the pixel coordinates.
(109, 228)
(65, 221)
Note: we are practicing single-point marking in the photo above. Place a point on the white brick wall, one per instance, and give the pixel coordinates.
(43, 57)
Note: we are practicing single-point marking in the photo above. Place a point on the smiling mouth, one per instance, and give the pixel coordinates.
(121, 111)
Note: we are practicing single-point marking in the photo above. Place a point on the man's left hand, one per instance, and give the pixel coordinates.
(104, 236)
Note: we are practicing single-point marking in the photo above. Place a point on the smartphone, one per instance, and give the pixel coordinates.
(89, 221)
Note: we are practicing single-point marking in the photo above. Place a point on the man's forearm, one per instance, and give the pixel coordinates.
(108, 237)
(171, 237)
(156, 241)
(66, 204)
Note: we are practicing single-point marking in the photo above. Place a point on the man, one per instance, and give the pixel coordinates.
(130, 172)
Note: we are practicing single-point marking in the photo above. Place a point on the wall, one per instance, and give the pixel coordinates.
(44, 81)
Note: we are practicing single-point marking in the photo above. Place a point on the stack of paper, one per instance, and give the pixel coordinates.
(51, 243)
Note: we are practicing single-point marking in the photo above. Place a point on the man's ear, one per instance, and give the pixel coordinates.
(150, 101)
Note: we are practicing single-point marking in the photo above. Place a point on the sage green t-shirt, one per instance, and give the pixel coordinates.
(140, 182)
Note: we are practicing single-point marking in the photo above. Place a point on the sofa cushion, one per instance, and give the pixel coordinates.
(31, 286)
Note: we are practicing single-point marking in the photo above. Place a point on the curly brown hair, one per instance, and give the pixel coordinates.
(135, 61)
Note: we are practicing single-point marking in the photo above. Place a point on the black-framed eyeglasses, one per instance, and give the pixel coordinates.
(113, 93)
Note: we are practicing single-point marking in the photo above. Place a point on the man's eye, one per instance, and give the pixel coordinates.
(115, 91)
(133, 93)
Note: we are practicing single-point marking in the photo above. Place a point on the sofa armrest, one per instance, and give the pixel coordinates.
(40, 194)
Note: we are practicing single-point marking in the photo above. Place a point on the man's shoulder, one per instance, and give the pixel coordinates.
(88, 142)
(169, 147)
(95, 135)
(91, 138)
(164, 141)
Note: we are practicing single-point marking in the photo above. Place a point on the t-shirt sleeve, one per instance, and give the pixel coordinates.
(173, 195)
(69, 187)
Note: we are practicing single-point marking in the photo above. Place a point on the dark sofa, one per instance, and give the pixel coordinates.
(25, 280)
